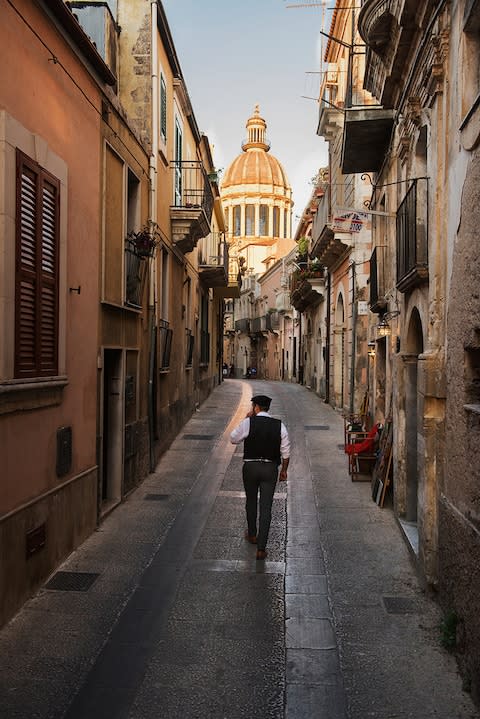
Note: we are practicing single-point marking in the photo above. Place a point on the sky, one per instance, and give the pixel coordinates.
(237, 53)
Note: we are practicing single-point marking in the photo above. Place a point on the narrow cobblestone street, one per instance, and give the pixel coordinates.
(181, 621)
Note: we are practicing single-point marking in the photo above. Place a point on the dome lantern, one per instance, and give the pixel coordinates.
(256, 127)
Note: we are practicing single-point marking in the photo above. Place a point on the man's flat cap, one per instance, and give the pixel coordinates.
(262, 400)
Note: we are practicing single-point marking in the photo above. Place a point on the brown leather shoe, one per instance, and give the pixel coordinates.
(250, 538)
(261, 553)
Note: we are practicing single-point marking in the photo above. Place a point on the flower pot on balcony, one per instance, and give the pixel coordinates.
(143, 242)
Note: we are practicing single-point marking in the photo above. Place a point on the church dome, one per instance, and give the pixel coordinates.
(255, 166)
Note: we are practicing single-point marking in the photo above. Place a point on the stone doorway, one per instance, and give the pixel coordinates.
(339, 354)
(413, 415)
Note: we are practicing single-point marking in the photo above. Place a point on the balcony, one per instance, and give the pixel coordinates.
(274, 320)
(234, 282)
(378, 303)
(259, 325)
(250, 284)
(213, 269)
(388, 29)
(242, 325)
(366, 137)
(412, 237)
(331, 237)
(282, 301)
(191, 213)
(330, 119)
(307, 289)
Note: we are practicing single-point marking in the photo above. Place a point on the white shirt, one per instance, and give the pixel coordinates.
(242, 431)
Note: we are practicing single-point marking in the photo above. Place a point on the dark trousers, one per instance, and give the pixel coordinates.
(259, 476)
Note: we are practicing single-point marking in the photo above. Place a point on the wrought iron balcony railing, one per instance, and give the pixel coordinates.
(377, 280)
(242, 325)
(192, 186)
(135, 273)
(192, 208)
(412, 236)
(261, 324)
(213, 268)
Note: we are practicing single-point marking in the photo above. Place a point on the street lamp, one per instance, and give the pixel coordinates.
(383, 328)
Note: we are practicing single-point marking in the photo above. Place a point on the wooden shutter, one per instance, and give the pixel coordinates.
(36, 295)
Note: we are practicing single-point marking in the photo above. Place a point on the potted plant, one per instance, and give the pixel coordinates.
(144, 241)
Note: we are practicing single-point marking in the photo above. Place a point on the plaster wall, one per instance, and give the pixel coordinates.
(54, 124)
(58, 128)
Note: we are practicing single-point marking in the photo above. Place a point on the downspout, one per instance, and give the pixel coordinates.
(152, 300)
(354, 341)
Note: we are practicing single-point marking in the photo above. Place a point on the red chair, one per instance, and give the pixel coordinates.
(362, 452)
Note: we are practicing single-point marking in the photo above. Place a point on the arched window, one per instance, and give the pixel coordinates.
(276, 221)
(236, 221)
(263, 230)
(286, 229)
(249, 220)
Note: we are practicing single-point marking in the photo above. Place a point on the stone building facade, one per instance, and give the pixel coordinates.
(113, 265)
(341, 231)
(422, 68)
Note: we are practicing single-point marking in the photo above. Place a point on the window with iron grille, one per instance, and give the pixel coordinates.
(204, 333)
(190, 344)
(135, 274)
(412, 234)
(36, 273)
(165, 344)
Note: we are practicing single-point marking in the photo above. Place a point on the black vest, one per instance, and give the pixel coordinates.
(263, 441)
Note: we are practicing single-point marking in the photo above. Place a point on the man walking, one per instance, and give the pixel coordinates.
(266, 447)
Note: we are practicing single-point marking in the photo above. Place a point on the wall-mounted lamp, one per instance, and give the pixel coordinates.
(383, 328)
(371, 349)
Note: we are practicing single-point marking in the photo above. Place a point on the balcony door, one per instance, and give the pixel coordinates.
(178, 164)
(339, 354)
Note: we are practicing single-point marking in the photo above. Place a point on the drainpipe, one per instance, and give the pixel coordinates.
(152, 300)
(354, 341)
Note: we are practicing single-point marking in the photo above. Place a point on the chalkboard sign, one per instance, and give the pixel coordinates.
(381, 471)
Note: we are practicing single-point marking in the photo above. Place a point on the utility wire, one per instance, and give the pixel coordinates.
(54, 59)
